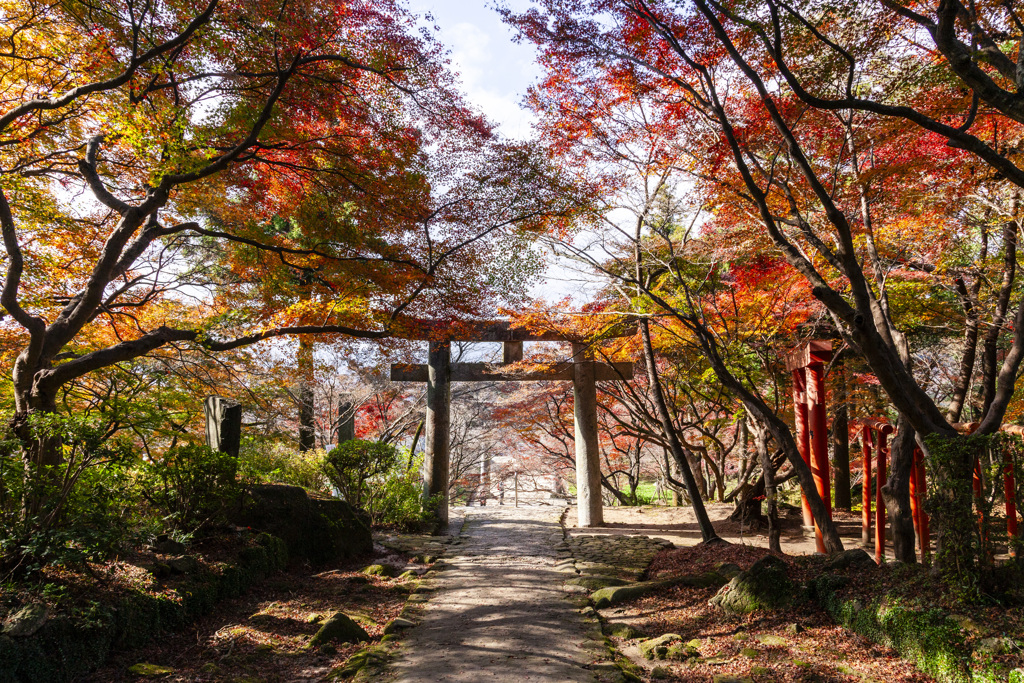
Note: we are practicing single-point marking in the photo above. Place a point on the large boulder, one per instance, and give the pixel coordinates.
(318, 529)
(766, 585)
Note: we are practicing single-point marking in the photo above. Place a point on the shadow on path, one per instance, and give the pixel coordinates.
(500, 613)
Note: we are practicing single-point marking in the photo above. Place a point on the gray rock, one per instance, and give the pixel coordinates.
(316, 529)
(398, 624)
(186, 564)
(340, 628)
(766, 585)
(26, 621)
(657, 648)
(857, 558)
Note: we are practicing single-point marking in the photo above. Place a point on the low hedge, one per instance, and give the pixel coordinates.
(68, 646)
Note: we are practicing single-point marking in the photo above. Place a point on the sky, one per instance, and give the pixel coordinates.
(496, 73)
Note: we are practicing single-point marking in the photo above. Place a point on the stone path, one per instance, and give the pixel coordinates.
(499, 613)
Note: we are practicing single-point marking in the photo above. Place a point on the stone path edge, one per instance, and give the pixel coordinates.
(373, 662)
(609, 665)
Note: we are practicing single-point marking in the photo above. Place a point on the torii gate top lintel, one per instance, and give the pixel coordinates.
(814, 351)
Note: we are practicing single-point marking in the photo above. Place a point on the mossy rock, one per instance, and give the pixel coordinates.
(398, 624)
(750, 653)
(385, 570)
(728, 569)
(615, 594)
(772, 640)
(593, 583)
(26, 621)
(318, 529)
(657, 648)
(340, 628)
(857, 558)
(765, 586)
(145, 670)
(682, 653)
(624, 631)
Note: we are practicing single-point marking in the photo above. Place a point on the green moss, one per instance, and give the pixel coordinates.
(930, 638)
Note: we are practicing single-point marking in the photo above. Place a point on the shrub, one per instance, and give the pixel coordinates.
(265, 461)
(85, 508)
(194, 487)
(379, 478)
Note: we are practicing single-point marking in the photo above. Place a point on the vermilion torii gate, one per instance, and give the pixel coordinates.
(807, 363)
(584, 372)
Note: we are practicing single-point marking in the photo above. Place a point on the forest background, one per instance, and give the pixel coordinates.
(243, 199)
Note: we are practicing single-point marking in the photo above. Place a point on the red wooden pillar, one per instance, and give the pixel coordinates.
(866, 486)
(803, 436)
(916, 503)
(1010, 496)
(883, 450)
(818, 427)
(924, 537)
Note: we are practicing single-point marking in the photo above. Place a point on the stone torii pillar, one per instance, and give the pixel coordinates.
(584, 372)
(438, 421)
(589, 508)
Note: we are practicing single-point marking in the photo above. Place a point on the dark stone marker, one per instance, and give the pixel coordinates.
(346, 423)
(223, 425)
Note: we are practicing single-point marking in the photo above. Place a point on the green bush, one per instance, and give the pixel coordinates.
(193, 487)
(85, 508)
(269, 462)
(380, 479)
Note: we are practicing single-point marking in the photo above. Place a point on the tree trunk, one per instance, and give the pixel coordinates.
(307, 427)
(771, 502)
(707, 530)
(896, 492)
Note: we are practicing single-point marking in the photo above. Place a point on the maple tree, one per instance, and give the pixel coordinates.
(828, 132)
(207, 175)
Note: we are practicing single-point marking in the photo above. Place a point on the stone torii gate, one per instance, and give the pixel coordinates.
(584, 372)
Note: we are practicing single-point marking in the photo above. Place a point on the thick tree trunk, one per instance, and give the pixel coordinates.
(771, 502)
(896, 492)
(307, 427)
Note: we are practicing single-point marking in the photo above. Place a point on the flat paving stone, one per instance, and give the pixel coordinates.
(499, 613)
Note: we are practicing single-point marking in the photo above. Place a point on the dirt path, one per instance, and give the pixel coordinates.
(679, 525)
(499, 613)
